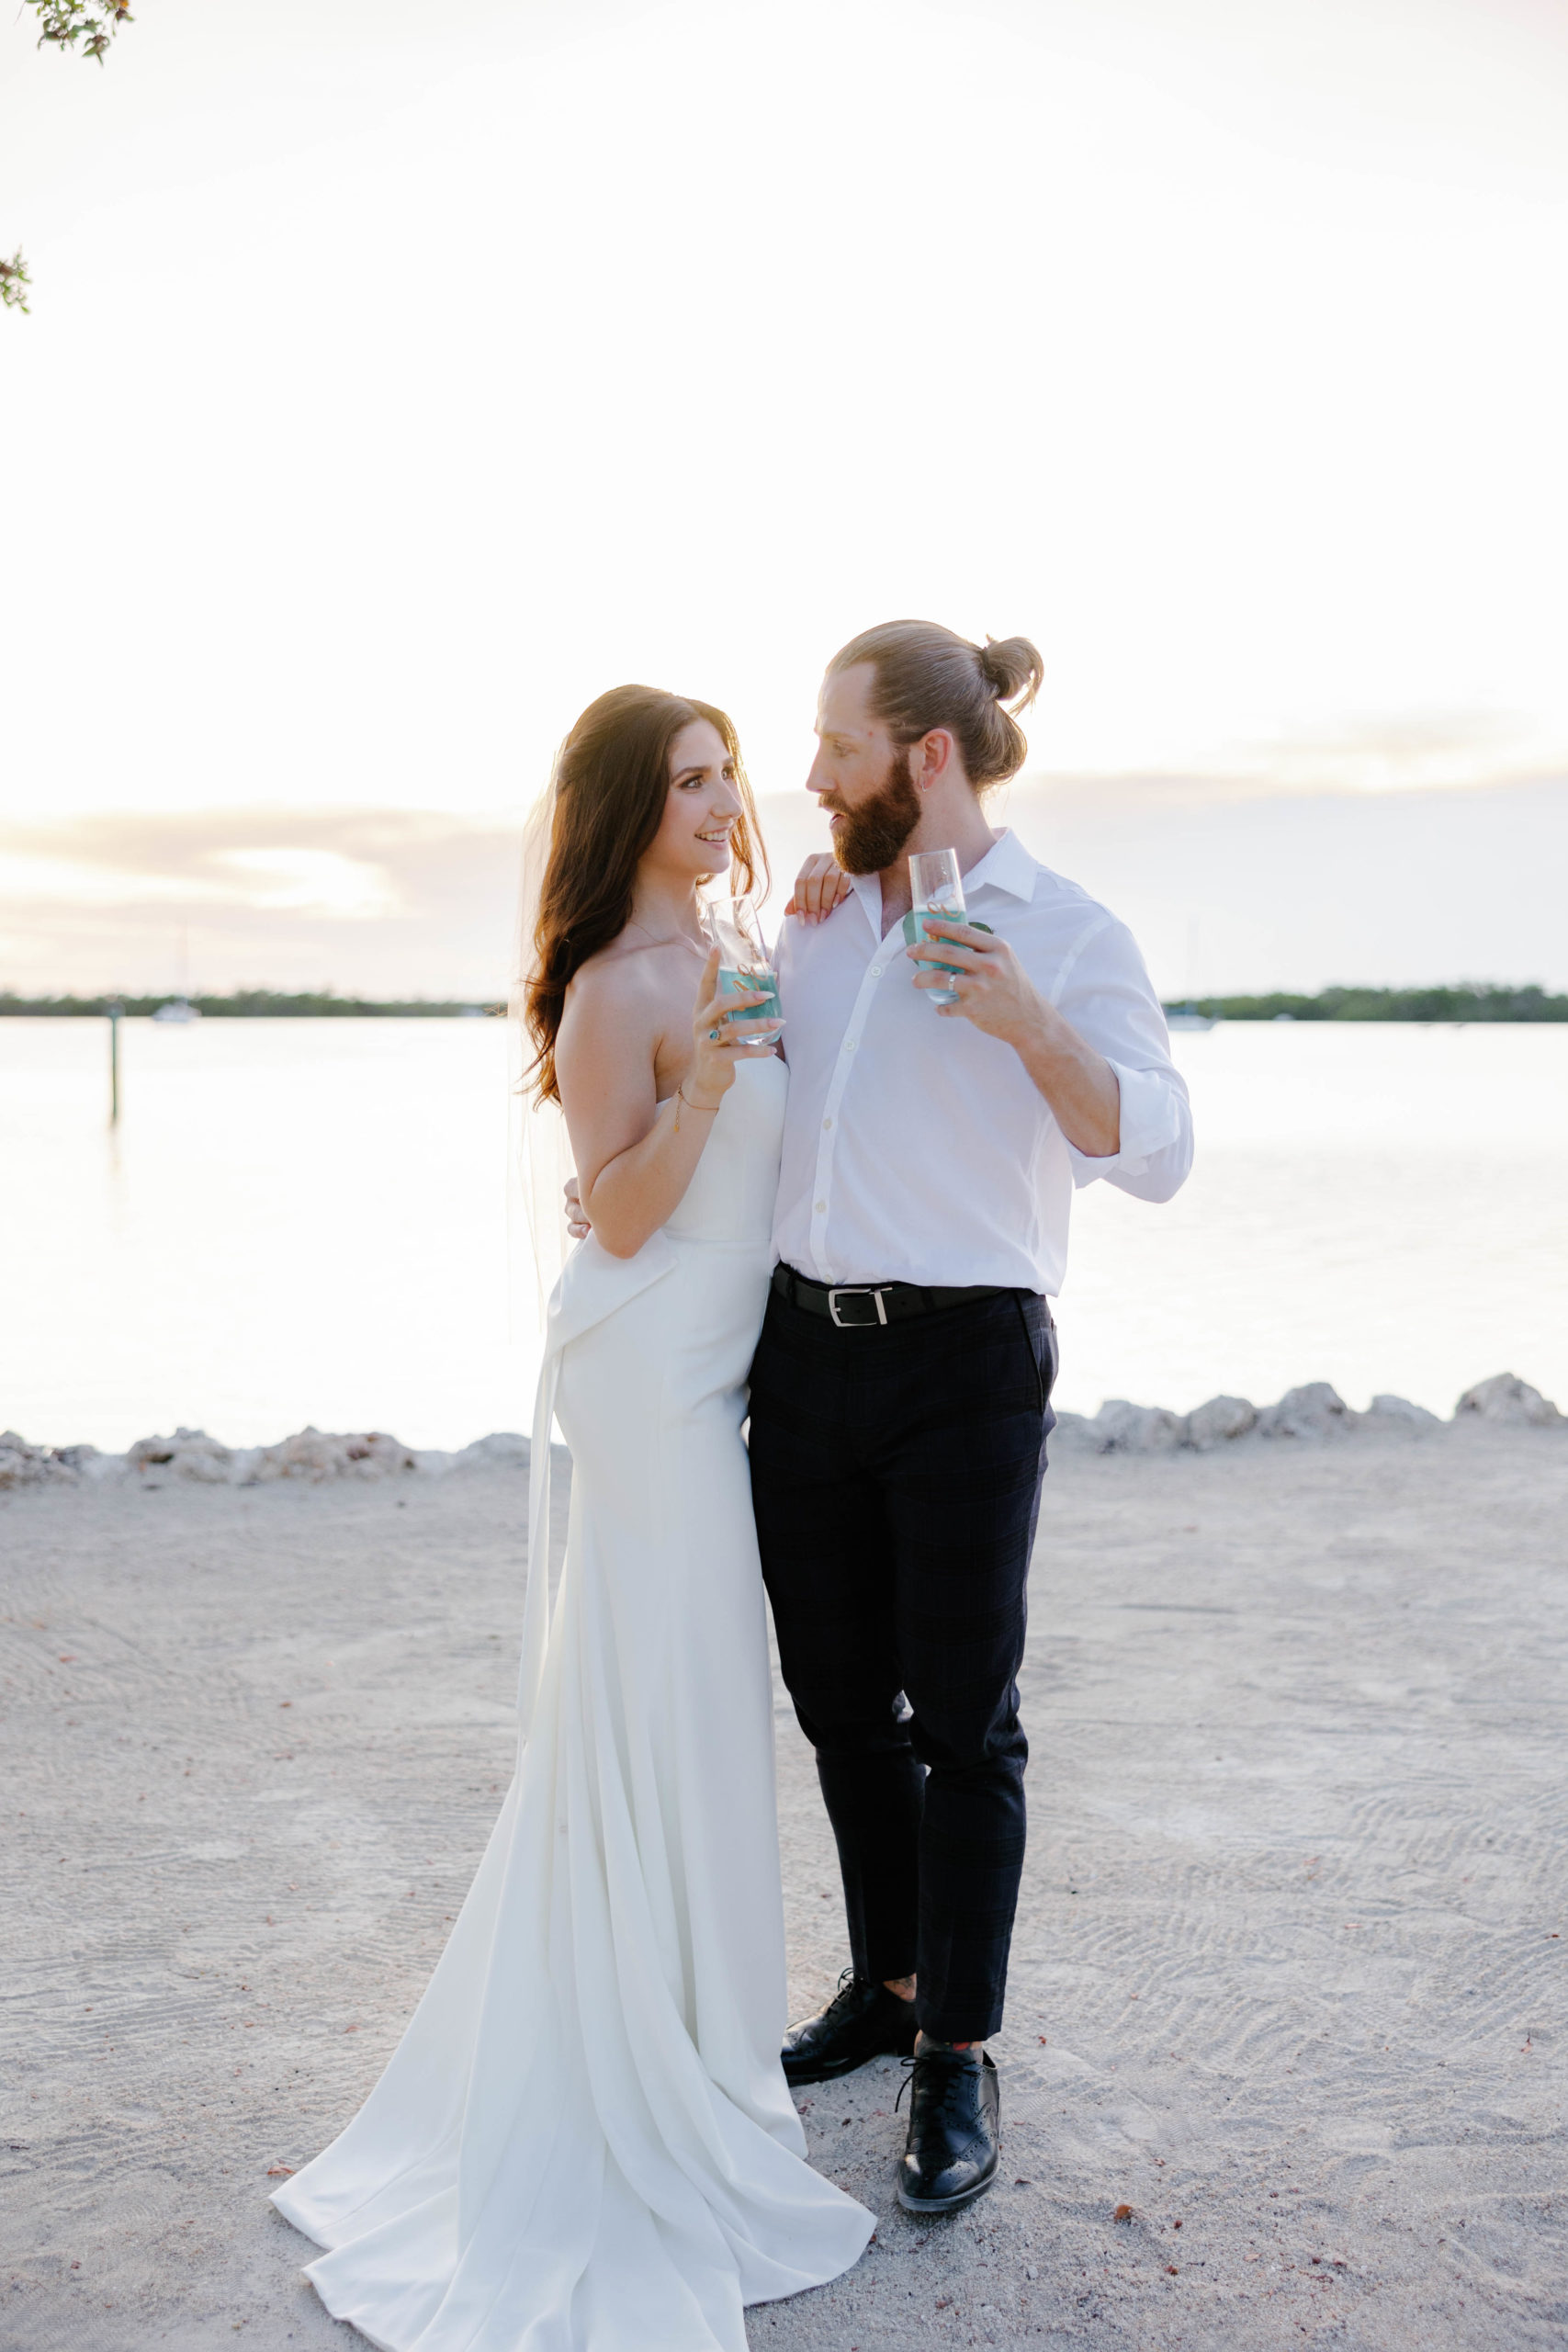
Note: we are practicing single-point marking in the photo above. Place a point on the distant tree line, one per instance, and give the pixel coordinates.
(253, 1004)
(1466, 1002)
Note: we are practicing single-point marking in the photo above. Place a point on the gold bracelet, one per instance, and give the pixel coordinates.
(682, 1096)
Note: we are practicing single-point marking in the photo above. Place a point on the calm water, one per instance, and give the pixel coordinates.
(306, 1221)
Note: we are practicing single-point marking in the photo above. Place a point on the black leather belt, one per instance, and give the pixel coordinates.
(860, 1306)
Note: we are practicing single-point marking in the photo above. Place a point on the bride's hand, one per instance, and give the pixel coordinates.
(577, 1223)
(818, 886)
(717, 1043)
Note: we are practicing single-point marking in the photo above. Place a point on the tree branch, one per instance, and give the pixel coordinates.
(93, 23)
(63, 23)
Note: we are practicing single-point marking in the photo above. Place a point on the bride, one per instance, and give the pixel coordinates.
(583, 2142)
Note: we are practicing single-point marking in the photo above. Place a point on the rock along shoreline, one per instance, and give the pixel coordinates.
(1312, 1415)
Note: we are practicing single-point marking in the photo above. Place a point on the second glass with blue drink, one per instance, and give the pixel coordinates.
(937, 888)
(731, 927)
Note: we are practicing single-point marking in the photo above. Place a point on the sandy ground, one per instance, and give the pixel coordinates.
(1289, 1974)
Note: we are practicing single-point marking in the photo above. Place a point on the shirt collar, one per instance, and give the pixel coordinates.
(1006, 865)
(867, 889)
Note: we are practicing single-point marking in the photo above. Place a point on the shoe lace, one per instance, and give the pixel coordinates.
(938, 2059)
(847, 1983)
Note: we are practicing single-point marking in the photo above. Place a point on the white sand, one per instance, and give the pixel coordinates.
(1287, 1970)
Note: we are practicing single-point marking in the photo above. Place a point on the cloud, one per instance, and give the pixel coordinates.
(319, 881)
(1263, 888)
(1457, 751)
(27, 878)
(1424, 751)
(1228, 881)
(382, 899)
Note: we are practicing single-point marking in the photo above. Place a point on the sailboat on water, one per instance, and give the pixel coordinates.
(180, 1007)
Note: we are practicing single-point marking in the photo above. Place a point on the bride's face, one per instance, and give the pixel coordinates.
(702, 806)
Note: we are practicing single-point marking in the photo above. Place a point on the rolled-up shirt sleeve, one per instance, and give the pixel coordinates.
(1106, 994)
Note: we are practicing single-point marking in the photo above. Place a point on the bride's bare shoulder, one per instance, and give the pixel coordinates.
(626, 979)
(628, 963)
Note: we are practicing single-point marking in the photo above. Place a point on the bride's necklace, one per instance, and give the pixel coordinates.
(671, 939)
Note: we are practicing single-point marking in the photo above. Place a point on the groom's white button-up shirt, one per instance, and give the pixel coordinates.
(917, 1149)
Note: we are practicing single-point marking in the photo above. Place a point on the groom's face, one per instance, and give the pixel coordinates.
(861, 775)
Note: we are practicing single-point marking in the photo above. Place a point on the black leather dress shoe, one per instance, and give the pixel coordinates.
(954, 2141)
(862, 2020)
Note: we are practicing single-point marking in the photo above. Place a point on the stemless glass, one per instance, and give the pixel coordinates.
(937, 887)
(732, 925)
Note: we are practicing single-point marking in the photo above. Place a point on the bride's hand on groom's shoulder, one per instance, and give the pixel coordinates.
(818, 886)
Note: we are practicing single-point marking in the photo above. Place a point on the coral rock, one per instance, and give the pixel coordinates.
(1122, 1427)
(1504, 1397)
(502, 1450)
(317, 1453)
(1221, 1418)
(189, 1453)
(1074, 1429)
(81, 1457)
(1400, 1408)
(1315, 1411)
(22, 1464)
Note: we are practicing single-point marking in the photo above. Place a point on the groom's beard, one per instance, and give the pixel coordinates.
(870, 835)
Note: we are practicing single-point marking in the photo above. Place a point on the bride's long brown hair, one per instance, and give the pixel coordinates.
(612, 780)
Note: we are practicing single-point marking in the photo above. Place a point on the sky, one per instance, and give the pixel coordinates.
(395, 382)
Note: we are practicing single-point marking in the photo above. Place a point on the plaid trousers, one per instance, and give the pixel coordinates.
(895, 1473)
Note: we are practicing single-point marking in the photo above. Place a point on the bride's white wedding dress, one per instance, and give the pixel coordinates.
(583, 2142)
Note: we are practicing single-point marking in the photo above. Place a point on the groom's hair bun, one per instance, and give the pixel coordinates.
(928, 676)
(1012, 668)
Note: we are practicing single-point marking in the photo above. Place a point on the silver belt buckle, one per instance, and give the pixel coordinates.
(854, 1291)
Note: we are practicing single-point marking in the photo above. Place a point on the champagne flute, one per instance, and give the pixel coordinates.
(937, 888)
(731, 927)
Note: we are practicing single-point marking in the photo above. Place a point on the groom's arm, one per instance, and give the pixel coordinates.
(1100, 1029)
(997, 995)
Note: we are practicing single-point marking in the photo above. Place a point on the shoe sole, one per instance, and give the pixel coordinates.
(797, 2078)
(945, 2204)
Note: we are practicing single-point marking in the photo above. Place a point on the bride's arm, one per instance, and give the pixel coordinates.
(635, 1155)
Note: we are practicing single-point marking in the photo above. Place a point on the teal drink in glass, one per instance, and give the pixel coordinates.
(937, 888)
(732, 925)
(733, 979)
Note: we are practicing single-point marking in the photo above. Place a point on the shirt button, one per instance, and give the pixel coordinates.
(827, 1124)
(849, 1045)
(821, 1208)
(876, 971)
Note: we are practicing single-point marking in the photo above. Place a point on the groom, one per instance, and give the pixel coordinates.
(900, 1394)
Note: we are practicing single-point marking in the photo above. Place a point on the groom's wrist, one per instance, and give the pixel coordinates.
(1037, 1033)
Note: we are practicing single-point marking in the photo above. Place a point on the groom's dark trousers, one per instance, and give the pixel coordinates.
(896, 1471)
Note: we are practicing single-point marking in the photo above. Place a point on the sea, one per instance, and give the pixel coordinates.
(311, 1222)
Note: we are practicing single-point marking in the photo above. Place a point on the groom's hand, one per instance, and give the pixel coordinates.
(994, 990)
(997, 994)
